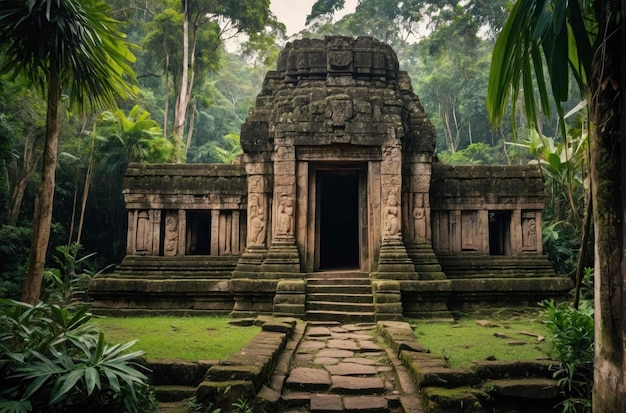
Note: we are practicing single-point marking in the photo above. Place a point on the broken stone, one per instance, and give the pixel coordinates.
(500, 335)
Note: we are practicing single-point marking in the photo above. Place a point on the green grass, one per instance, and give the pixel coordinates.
(464, 342)
(184, 338)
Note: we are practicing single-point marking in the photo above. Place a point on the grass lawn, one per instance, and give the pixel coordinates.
(184, 338)
(465, 341)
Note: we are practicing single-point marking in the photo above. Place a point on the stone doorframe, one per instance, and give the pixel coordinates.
(311, 242)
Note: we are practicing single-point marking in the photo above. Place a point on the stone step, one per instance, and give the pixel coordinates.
(338, 274)
(340, 306)
(338, 281)
(173, 393)
(339, 289)
(341, 316)
(341, 297)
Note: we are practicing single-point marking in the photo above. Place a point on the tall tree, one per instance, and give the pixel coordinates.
(208, 21)
(73, 47)
(584, 40)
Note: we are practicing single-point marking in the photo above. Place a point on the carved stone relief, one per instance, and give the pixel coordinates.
(420, 221)
(529, 231)
(171, 234)
(257, 220)
(392, 218)
(285, 215)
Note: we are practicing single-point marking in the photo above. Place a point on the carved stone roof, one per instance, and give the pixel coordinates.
(337, 90)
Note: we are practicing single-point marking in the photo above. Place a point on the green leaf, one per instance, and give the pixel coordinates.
(64, 384)
(92, 379)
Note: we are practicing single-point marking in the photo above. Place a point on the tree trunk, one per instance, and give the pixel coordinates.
(31, 159)
(43, 204)
(607, 174)
(183, 99)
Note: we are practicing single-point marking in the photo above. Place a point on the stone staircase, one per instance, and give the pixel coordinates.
(340, 296)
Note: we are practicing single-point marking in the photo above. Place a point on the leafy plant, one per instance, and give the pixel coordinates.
(561, 243)
(241, 406)
(67, 284)
(53, 359)
(571, 343)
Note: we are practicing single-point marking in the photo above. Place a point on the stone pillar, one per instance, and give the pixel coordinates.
(418, 229)
(252, 292)
(283, 259)
(234, 237)
(530, 234)
(182, 232)
(171, 242)
(393, 263)
(215, 232)
(131, 235)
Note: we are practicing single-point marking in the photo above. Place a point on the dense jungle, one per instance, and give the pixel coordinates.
(179, 77)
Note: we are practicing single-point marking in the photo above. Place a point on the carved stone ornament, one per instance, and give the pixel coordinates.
(285, 215)
(171, 234)
(257, 220)
(393, 226)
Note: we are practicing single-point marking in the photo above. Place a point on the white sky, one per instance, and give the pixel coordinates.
(293, 12)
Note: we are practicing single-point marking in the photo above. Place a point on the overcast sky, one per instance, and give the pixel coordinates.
(293, 12)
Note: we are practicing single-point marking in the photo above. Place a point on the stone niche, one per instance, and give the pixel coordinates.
(338, 179)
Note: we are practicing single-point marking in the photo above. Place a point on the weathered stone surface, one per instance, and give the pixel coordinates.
(179, 372)
(342, 345)
(351, 369)
(319, 332)
(331, 102)
(311, 346)
(308, 378)
(368, 346)
(531, 388)
(360, 385)
(466, 399)
(326, 361)
(326, 403)
(500, 369)
(335, 353)
(365, 404)
(445, 377)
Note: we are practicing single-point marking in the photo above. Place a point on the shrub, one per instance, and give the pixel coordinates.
(52, 359)
(572, 344)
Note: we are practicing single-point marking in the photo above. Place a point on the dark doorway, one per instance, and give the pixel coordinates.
(198, 233)
(338, 193)
(499, 232)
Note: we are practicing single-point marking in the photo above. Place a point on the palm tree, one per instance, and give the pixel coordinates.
(72, 47)
(583, 39)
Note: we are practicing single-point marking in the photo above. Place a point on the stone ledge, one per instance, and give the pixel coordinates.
(248, 370)
(489, 385)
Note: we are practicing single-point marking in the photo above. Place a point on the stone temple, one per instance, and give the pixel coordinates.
(338, 209)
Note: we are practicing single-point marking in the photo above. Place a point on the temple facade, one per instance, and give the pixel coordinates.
(338, 209)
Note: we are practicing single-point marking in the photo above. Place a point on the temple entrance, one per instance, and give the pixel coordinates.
(338, 219)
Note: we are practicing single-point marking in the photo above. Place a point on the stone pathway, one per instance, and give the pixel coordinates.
(349, 368)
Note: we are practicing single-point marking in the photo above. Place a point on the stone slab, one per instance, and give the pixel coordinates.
(361, 360)
(357, 385)
(351, 369)
(342, 345)
(305, 378)
(367, 346)
(319, 332)
(326, 361)
(335, 353)
(326, 403)
(310, 346)
(365, 404)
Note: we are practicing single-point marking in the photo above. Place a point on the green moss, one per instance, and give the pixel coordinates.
(464, 342)
(184, 338)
